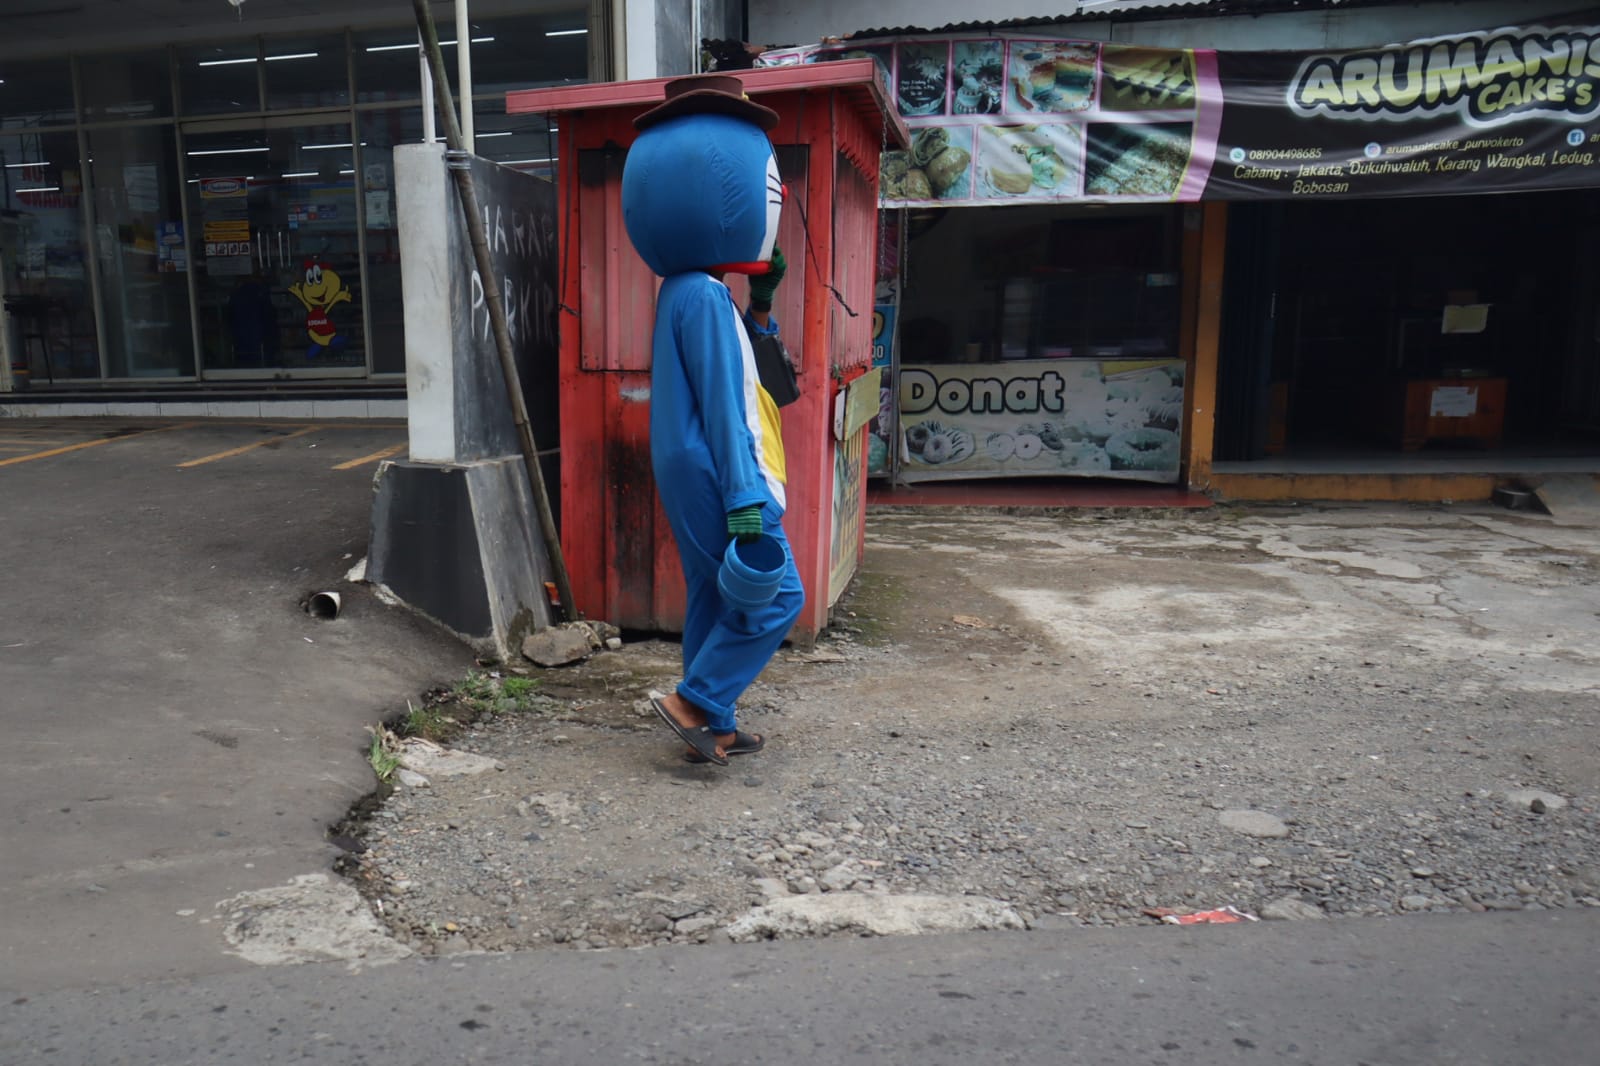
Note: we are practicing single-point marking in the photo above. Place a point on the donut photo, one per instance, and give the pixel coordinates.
(1145, 449)
(935, 444)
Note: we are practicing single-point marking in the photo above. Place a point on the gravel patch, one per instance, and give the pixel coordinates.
(1077, 718)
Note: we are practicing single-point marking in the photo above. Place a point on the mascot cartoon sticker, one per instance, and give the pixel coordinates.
(321, 291)
(701, 197)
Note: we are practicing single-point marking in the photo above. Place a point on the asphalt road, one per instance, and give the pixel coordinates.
(1496, 990)
(174, 727)
(177, 730)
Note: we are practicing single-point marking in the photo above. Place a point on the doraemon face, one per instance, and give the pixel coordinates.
(776, 194)
(702, 192)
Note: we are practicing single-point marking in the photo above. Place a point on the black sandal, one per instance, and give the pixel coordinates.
(700, 738)
(743, 744)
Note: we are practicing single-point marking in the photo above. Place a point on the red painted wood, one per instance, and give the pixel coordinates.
(617, 290)
(631, 570)
(582, 407)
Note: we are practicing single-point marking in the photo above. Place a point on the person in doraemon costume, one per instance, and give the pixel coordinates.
(701, 198)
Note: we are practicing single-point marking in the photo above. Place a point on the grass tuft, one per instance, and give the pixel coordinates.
(381, 753)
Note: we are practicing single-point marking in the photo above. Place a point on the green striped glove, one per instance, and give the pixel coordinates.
(764, 286)
(745, 523)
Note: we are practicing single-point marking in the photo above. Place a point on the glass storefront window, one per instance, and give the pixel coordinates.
(380, 132)
(35, 93)
(525, 53)
(135, 85)
(527, 142)
(387, 67)
(513, 53)
(139, 175)
(138, 242)
(41, 254)
(272, 207)
(217, 79)
(306, 72)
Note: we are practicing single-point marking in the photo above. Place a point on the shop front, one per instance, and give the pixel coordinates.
(1041, 320)
(1042, 340)
(1135, 263)
(224, 211)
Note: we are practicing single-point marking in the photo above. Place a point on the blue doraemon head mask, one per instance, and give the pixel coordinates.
(702, 192)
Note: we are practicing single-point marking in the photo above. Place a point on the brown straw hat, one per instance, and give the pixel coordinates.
(708, 94)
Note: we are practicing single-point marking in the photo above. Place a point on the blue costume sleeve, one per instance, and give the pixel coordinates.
(706, 328)
(769, 330)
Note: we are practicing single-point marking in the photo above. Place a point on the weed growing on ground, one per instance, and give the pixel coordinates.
(430, 721)
(380, 754)
(478, 685)
(518, 688)
(481, 694)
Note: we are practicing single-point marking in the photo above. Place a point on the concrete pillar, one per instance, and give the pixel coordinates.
(454, 531)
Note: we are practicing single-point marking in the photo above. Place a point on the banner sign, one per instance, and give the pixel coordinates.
(849, 497)
(1016, 119)
(880, 428)
(1049, 417)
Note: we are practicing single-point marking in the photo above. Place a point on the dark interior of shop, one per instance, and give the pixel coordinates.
(990, 284)
(1339, 314)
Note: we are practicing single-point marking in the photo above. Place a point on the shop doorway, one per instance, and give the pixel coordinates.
(1429, 328)
(274, 236)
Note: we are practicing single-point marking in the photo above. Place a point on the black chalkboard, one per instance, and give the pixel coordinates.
(519, 222)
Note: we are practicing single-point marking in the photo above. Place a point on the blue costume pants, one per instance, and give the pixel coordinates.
(723, 648)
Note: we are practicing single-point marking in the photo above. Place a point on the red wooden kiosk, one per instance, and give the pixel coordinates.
(834, 121)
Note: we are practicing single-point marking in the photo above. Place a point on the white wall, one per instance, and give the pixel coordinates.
(428, 272)
(807, 21)
(798, 22)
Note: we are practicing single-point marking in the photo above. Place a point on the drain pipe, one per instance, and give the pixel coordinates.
(460, 164)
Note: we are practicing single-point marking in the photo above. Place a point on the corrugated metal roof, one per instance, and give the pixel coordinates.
(1128, 11)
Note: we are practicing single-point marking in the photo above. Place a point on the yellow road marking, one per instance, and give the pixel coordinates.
(231, 452)
(365, 423)
(92, 444)
(374, 457)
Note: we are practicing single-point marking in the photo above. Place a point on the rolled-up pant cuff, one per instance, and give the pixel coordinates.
(718, 716)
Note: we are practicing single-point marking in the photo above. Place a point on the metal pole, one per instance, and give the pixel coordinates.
(429, 132)
(497, 311)
(464, 73)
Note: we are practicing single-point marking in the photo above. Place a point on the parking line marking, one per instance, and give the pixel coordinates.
(374, 457)
(92, 444)
(252, 446)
